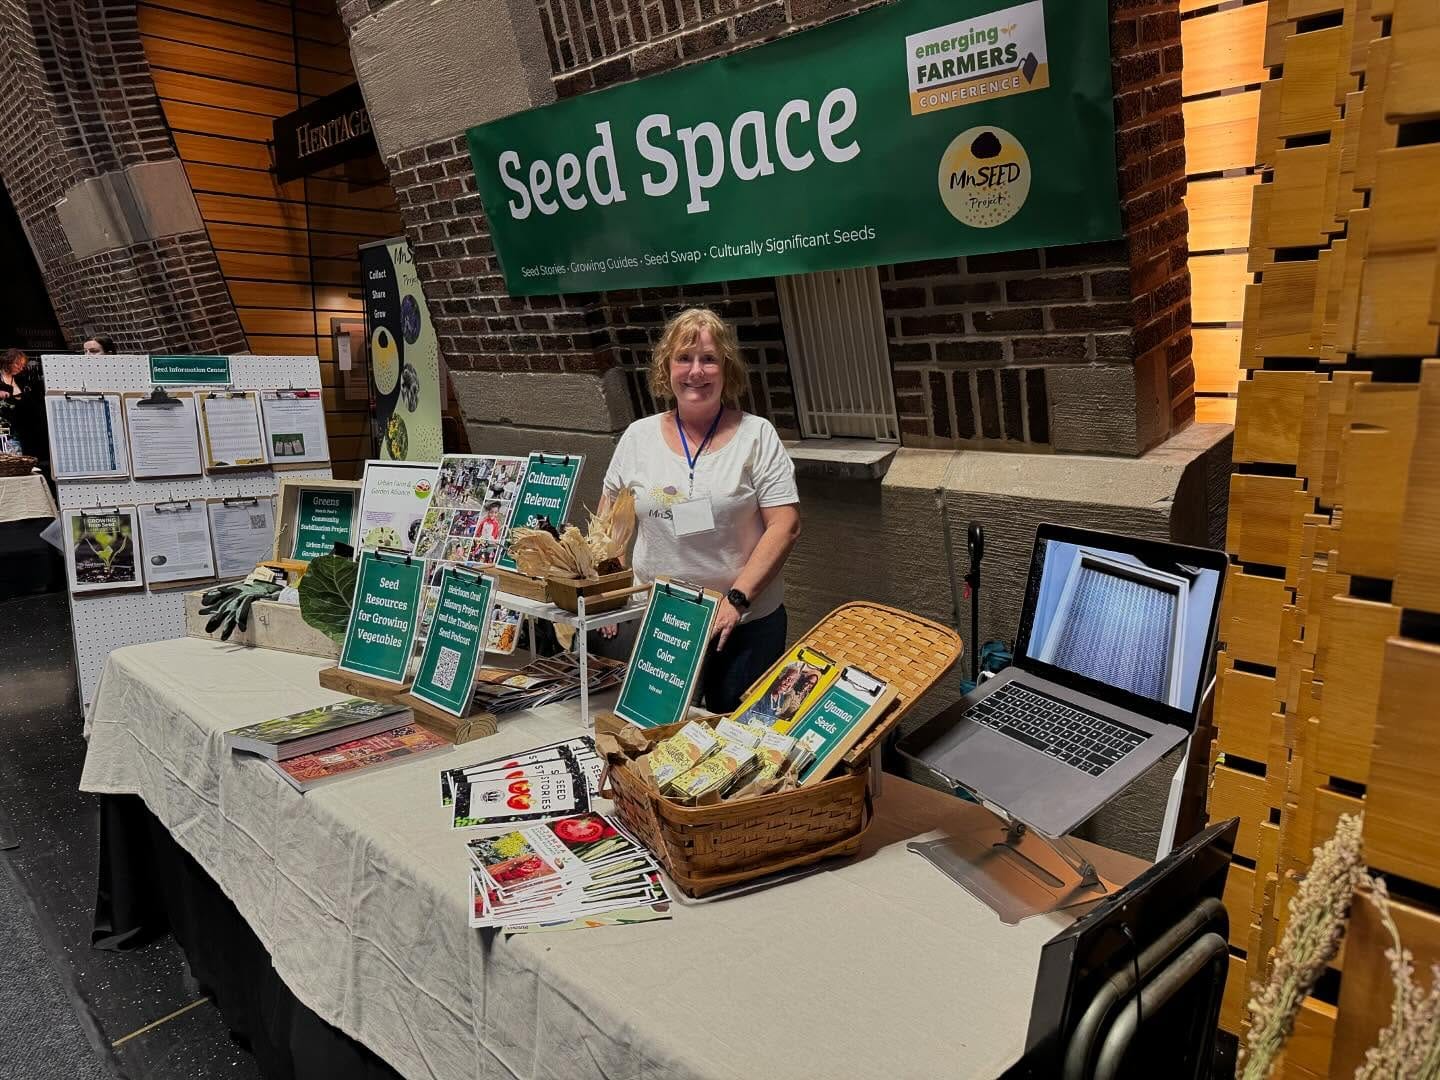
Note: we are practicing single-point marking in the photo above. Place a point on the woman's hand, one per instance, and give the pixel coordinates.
(609, 632)
(726, 619)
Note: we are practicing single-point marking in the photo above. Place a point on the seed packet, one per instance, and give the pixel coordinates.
(722, 768)
(728, 731)
(777, 754)
(680, 752)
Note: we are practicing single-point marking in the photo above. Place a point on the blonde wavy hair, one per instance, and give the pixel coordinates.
(683, 331)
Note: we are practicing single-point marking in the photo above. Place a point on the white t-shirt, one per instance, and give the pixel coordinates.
(750, 471)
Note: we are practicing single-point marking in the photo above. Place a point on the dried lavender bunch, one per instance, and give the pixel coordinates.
(1410, 1046)
(1317, 919)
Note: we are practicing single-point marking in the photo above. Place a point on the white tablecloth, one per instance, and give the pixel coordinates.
(879, 967)
(25, 497)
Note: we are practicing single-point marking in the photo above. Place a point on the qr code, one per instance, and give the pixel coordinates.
(447, 666)
(259, 521)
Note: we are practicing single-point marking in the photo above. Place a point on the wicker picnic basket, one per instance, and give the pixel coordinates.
(707, 848)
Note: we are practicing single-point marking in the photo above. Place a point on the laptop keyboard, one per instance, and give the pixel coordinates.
(1080, 739)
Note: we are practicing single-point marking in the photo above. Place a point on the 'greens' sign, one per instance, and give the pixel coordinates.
(323, 518)
(544, 493)
(669, 650)
(920, 129)
(456, 643)
(190, 370)
(383, 616)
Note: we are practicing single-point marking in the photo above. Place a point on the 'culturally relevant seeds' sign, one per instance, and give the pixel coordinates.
(921, 129)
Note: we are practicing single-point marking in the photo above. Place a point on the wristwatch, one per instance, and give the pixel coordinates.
(738, 600)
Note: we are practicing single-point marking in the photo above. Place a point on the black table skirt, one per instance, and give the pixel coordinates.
(148, 884)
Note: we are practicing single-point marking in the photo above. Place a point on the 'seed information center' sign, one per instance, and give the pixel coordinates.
(926, 128)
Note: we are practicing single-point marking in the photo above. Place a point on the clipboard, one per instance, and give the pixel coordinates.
(161, 399)
(210, 462)
(93, 568)
(261, 551)
(107, 461)
(178, 506)
(281, 442)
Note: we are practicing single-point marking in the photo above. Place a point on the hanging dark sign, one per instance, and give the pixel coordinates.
(326, 132)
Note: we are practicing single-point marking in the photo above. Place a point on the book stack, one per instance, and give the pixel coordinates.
(542, 682)
(561, 873)
(316, 746)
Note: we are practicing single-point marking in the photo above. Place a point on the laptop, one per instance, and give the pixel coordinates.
(1113, 652)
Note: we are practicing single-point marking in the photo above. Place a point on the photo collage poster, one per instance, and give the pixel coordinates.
(464, 525)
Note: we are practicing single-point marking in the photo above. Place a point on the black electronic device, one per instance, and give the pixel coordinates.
(1159, 918)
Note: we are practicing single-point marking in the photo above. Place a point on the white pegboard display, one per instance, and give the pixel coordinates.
(102, 623)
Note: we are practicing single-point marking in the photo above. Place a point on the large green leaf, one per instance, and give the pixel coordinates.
(325, 594)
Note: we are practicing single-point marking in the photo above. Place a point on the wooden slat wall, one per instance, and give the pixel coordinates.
(224, 69)
(1331, 623)
(1224, 69)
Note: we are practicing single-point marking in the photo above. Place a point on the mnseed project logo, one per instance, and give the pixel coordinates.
(978, 59)
(984, 176)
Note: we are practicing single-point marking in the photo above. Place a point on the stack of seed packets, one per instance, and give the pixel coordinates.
(546, 782)
(563, 874)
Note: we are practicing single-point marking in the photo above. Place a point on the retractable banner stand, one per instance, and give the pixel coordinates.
(920, 129)
(404, 355)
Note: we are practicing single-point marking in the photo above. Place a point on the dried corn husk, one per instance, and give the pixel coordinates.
(612, 531)
(579, 552)
(607, 539)
(538, 554)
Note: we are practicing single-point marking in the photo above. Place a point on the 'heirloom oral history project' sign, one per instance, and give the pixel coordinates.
(458, 632)
(920, 129)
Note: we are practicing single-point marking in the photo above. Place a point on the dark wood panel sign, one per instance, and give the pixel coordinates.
(329, 130)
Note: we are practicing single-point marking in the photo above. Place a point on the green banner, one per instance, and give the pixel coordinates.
(920, 129)
(323, 518)
(383, 616)
(669, 649)
(545, 492)
(446, 678)
(832, 717)
(190, 370)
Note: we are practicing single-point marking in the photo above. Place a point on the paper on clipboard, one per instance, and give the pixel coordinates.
(243, 532)
(87, 435)
(164, 436)
(177, 542)
(230, 421)
(295, 426)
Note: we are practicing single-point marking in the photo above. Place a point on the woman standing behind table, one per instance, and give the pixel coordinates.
(715, 499)
(22, 403)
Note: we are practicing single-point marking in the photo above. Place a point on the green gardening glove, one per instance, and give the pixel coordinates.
(229, 605)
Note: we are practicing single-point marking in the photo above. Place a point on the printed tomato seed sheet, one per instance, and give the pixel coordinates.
(563, 872)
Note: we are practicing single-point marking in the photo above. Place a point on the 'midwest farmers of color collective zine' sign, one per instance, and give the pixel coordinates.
(920, 129)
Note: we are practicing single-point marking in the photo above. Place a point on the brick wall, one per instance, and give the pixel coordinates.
(972, 340)
(77, 102)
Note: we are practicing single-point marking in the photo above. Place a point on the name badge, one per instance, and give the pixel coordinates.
(692, 516)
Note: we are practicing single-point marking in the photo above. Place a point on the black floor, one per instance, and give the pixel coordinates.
(128, 1005)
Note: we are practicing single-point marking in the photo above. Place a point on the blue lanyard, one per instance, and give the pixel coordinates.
(685, 443)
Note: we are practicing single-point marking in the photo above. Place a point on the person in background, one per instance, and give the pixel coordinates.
(715, 501)
(22, 403)
(99, 344)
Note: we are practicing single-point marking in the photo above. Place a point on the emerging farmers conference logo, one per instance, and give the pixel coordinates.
(989, 56)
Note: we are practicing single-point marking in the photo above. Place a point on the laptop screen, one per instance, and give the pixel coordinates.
(1142, 625)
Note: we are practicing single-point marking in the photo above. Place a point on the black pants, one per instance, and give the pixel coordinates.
(728, 672)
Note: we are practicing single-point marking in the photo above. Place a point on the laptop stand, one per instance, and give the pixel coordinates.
(1019, 874)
